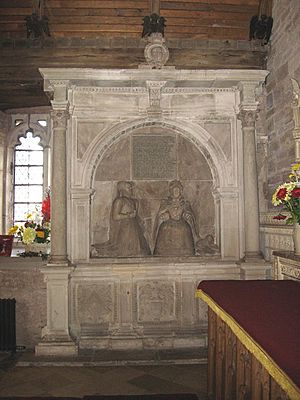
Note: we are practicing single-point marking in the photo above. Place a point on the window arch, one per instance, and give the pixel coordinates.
(28, 165)
(28, 176)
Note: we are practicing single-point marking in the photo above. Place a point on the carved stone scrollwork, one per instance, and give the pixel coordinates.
(248, 118)
(60, 118)
(57, 83)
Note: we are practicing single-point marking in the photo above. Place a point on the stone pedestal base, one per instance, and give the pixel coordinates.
(144, 343)
(256, 268)
(62, 349)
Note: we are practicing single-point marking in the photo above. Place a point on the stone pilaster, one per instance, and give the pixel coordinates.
(251, 216)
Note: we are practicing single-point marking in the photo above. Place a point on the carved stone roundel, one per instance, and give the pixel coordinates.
(156, 52)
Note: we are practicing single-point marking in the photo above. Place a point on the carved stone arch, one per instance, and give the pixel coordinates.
(196, 134)
(20, 130)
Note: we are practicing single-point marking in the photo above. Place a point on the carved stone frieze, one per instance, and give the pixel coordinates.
(53, 83)
(156, 301)
(291, 271)
(196, 90)
(111, 89)
(267, 218)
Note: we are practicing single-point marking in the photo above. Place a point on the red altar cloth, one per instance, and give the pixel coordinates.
(269, 312)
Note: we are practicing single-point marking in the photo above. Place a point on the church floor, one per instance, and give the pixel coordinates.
(16, 379)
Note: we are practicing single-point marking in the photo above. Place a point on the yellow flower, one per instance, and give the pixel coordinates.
(29, 216)
(13, 230)
(40, 234)
(29, 235)
(296, 167)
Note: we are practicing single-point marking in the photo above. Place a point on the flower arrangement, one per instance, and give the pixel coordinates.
(37, 226)
(287, 195)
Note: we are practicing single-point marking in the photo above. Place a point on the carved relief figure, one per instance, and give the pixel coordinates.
(175, 232)
(126, 238)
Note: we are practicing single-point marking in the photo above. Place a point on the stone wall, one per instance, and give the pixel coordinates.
(283, 64)
(21, 279)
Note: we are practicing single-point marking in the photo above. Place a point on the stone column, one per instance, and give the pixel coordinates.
(59, 117)
(56, 339)
(251, 216)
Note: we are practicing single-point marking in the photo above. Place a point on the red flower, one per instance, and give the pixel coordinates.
(46, 208)
(296, 192)
(281, 193)
(280, 216)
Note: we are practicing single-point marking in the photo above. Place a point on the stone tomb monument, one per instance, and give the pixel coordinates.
(160, 171)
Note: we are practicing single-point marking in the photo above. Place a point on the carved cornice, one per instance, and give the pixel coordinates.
(143, 90)
(197, 90)
(117, 90)
(52, 83)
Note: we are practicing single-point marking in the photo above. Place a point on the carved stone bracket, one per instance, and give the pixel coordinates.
(155, 88)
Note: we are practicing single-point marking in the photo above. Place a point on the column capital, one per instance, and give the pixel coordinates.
(248, 118)
(59, 118)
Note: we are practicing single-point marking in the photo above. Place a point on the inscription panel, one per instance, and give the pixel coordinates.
(154, 157)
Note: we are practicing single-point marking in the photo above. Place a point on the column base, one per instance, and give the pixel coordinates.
(57, 348)
(256, 268)
(253, 256)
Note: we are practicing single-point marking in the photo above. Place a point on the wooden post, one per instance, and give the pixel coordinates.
(212, 332)
(155, 6)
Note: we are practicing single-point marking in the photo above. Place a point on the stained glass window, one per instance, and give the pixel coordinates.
(28, 176)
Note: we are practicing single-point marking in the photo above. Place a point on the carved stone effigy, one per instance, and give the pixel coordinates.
(175, 225)
(126, 233)
(175, 229)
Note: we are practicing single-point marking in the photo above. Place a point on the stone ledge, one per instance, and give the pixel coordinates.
(92, 358)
